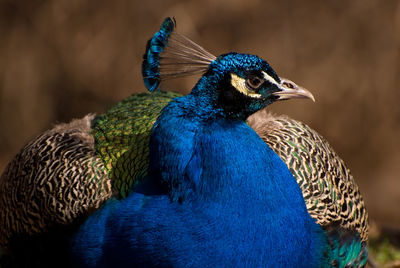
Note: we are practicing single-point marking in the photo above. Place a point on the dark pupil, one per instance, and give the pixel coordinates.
(254, 82)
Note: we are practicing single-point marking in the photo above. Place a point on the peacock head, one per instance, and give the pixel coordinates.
(238, 84)
(244, 84)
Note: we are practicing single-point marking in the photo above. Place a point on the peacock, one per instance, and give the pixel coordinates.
(207, 179)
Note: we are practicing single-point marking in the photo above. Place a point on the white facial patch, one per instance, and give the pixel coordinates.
(240, 84)
(270, 79)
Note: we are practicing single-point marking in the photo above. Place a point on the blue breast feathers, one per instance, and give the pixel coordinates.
(240, 206)
(216, 195)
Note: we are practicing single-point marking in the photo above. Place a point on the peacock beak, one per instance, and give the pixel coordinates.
(290, 90)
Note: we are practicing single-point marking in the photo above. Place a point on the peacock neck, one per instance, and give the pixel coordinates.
(222, 167)
(237, 167)
(200, 153)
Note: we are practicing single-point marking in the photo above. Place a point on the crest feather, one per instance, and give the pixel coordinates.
(170, 54)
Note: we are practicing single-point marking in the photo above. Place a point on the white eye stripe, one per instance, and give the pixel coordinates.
(270, 79)
(240, 84)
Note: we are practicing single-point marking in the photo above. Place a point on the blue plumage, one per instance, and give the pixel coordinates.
(175, 134)
(216, 195)
(203, 188)
(151, 59)
(234, 216)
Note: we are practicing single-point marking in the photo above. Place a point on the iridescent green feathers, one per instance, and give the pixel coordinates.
(122, 138)
(329, 190)
(117, 156)
(344, 248)
(69, 171)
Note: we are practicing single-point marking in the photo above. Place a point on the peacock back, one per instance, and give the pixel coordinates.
(66, 173)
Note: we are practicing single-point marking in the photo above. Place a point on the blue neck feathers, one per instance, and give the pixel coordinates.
(234, 203)
(217, 195)
(222, 165)
(227, 200)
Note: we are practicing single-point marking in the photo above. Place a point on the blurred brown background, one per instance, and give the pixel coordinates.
(62, 59)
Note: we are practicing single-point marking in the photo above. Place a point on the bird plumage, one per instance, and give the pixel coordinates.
(54, 180)
(234, 199)
(68, 171)
(122, 136)
(329, 190)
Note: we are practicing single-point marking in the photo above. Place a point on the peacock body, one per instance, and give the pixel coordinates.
(188, 182)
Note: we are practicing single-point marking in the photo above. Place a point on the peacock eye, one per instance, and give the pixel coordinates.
(254, 82)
